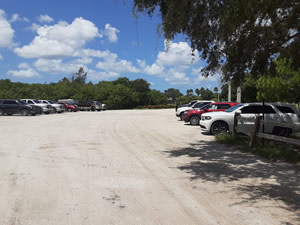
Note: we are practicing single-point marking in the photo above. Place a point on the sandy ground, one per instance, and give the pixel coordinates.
(135, 167)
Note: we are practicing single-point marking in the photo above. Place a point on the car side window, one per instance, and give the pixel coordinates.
(10, 102)
(267, 109)
(285, 109)
(224, 106)
(30, 102)
(252, 109)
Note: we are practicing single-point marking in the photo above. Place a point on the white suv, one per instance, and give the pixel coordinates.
(55, 106)
(197, 105)
(217, 122)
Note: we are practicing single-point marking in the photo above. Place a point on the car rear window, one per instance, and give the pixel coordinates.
(285, 109)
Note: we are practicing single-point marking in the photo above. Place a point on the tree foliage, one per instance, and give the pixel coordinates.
(237, 36)
(283, 85)
(119, 94)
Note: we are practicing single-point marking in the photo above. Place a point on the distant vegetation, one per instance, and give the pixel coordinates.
(119, 94)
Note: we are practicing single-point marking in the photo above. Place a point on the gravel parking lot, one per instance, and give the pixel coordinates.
(135, 167)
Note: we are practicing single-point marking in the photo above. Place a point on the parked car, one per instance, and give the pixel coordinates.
(69, 106)
(197, 105)
(12, 106)
(104, 107)
(56, 108)
(217, 122)
(89, 105)
(193, 116)
(46, 108)
(186, 105)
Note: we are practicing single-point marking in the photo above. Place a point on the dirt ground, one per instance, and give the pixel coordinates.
(135, 167)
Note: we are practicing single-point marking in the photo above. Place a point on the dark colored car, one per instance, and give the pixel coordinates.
(12, 106)
(193, 116)
(89, 105)
(69, 107)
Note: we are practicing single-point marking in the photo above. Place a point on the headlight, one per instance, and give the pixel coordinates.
(207, 117)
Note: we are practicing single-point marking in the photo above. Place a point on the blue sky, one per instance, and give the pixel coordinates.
(44, 41)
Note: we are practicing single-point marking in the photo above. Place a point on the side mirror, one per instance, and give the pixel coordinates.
(238, 111)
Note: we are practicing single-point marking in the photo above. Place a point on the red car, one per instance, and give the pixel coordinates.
(193, 116)
(69, 107)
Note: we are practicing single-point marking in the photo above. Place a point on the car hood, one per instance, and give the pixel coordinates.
(184, 109)
(218, 114)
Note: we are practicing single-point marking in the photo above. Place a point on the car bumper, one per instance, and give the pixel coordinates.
(186, 118)
(205, 125)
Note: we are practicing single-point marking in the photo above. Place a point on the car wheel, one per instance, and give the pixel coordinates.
(93, 109)
(219, 127)
(194, 120)
(1, 112)
(54, 110)
(282, 131)
(24, 112)
(181, 116)
(69, 110)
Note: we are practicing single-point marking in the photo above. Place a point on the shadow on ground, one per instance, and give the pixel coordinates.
(214, 162)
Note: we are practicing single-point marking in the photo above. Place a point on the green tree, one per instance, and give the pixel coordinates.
(189, 92)
(234, 34)
(156, 97)
(142, 87)
(172, 94)
(206, 94)
(284, 85)
(197, 90)
(79, 77)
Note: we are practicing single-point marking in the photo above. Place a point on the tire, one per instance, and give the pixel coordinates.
(25, 112)
(93, 109)
(282, 131)
(69, 110)
(181, 116)
(194, 120)
(1, 112)
(54, 110)
(219, 127)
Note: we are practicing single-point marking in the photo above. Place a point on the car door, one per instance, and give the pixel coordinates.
(248, 115)
(11, 106)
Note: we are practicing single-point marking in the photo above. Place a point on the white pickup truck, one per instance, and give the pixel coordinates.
(45, 107)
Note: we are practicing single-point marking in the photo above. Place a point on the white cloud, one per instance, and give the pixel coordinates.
(26, 73)
(56, 66)
(15, 17)
(45, 19)
(60, 40)
(93, 53)
(177, 54)
(103, 75)
(6, 31)
(23, 66)
(112, 64)
(176, 77)
(154, 69)
(111, 33)
(172, 63)
(84, 60)
(200, 78)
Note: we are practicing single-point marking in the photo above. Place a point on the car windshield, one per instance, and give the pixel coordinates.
(37, 101)
(233, 108)
(51, 102)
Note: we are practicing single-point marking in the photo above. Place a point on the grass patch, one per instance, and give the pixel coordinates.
(267, 149)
